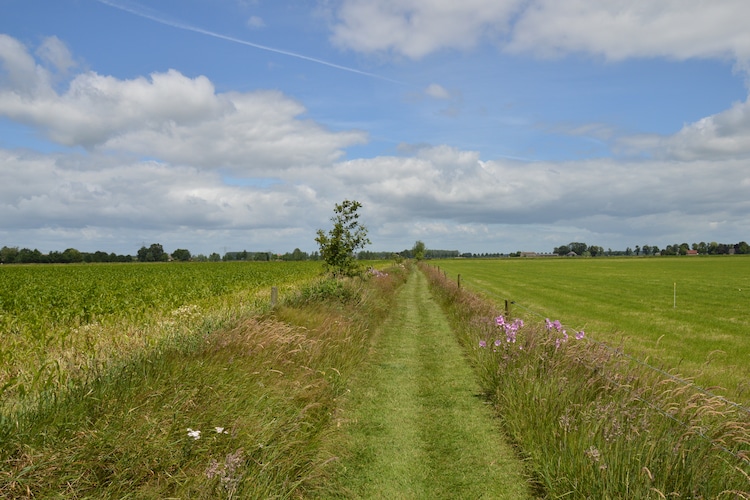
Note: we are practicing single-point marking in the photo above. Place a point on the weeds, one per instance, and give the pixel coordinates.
(591, 423)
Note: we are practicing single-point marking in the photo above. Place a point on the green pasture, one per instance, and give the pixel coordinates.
(702, 331)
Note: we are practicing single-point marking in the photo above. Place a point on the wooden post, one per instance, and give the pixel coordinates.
(507, 309)
(459, 281)
(274, 296)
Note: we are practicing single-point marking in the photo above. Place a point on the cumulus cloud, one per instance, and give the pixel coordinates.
(614, 29)
(619, 29)
(443, 183)
(416, 28)
(78, 196)
(166, 115)
(724, 135)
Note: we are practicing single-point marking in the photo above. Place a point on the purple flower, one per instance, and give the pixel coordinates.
(557, 325)
(482, 343)
(510, 335)
(500, 321)
(497, 343)
(580, 335)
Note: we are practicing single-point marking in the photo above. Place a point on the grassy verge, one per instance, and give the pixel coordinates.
(238, 412)
(594, 425)
(415, 427)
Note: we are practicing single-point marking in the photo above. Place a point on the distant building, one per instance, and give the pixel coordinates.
(691, 252)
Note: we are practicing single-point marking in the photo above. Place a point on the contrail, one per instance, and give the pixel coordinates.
(140, 12)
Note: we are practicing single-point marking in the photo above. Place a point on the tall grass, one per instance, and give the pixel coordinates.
(592, 423)
(235, 412)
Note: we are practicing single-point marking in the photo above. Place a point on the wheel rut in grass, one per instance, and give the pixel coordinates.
(418, 428)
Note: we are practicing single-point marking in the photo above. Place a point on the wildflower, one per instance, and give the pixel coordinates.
(220, 430)
(510, 335)
(500, 320)
(579, 335)
(482, 343)
(497, 343)
(557, 325)
(593, 453)
(194, 434)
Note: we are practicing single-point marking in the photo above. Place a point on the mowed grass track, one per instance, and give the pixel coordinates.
(630, 302)
(417, 428)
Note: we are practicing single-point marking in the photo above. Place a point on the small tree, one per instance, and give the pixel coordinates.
(418, 250)
(347, 235)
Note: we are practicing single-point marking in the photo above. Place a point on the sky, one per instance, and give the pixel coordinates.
(484, 126)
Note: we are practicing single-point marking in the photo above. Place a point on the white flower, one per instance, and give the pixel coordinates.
(220, 430)
(194, 434)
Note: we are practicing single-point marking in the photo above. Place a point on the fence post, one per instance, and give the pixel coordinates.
(274, 296)
(507, 308)
(458, 280)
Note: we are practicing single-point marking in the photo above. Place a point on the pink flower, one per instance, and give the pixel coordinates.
(580, 335)
(482, 343)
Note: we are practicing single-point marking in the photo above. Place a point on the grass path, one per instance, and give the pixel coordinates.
(418, 428)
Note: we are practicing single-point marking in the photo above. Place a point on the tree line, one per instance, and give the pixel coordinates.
(14, 255)
(702, 248)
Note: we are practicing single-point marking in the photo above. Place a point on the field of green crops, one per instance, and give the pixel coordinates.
(58, 320)
(688, 315)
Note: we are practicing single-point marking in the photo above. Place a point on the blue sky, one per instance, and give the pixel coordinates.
(480, 126)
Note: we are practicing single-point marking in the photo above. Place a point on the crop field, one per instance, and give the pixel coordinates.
(686, 315)
(57, 320)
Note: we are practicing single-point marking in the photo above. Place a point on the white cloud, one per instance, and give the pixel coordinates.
(724, 135)
(437, 91)
(619, 29)
(91, 194)
(256, 22)
(614, 29)
(416, 28)
(447, 184)
(169, 116)
(56, 53)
